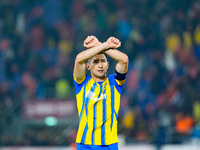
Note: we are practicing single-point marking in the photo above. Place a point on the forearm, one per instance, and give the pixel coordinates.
(89, 53)
(120, 57)
(117, 55)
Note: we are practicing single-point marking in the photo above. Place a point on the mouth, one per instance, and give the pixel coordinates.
(101, 71)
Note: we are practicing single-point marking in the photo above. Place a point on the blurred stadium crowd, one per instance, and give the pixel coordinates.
(39, 40)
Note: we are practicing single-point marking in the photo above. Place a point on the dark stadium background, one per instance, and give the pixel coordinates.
(39, 40)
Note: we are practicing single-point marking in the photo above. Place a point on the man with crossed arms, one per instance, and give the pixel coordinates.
(98, 96)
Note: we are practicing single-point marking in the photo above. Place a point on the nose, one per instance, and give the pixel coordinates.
(100, 65)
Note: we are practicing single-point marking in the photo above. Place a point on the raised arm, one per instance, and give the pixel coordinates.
(120, 57)
(95, 47)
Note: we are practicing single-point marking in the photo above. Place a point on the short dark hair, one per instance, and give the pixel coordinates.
(98, 54)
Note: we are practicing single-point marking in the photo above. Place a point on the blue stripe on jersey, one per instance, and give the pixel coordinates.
(94, 115)
(94, 123)
(76, 84)
(112, 106)
(118, 87)
(84, 133)
(81, 113)
(116, 115)
(112, 100)
(103, 128)
(86, 110)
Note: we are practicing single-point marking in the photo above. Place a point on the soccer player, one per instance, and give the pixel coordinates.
(98, 96)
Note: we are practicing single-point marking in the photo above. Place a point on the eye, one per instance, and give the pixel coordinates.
(95, 61)
(103, 60)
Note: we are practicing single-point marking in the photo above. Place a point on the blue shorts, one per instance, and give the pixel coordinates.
(80, 146)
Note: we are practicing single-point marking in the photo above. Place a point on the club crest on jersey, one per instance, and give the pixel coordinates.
(90, 95)
(103, 96)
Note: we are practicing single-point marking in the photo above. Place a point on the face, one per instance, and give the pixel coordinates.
(98, 66)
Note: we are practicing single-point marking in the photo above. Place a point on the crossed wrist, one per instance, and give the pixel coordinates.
(98, 43)
(106, 45)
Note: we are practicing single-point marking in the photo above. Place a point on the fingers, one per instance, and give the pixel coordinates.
(89, 39)
(115, 41)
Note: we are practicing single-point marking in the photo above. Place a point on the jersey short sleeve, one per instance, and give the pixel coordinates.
(79, 85)
(118, 85)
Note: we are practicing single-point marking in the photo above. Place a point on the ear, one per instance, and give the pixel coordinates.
(107, 65)
(88, 66)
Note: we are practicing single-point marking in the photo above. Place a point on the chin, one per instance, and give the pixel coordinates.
(101, 76)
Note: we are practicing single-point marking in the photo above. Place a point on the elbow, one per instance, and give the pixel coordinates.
(79, 58)
(125, 59)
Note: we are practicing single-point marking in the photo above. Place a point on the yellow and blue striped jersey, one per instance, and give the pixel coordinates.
(98, 105)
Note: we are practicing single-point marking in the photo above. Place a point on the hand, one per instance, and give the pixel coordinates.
(91, 41)
(113, 42)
